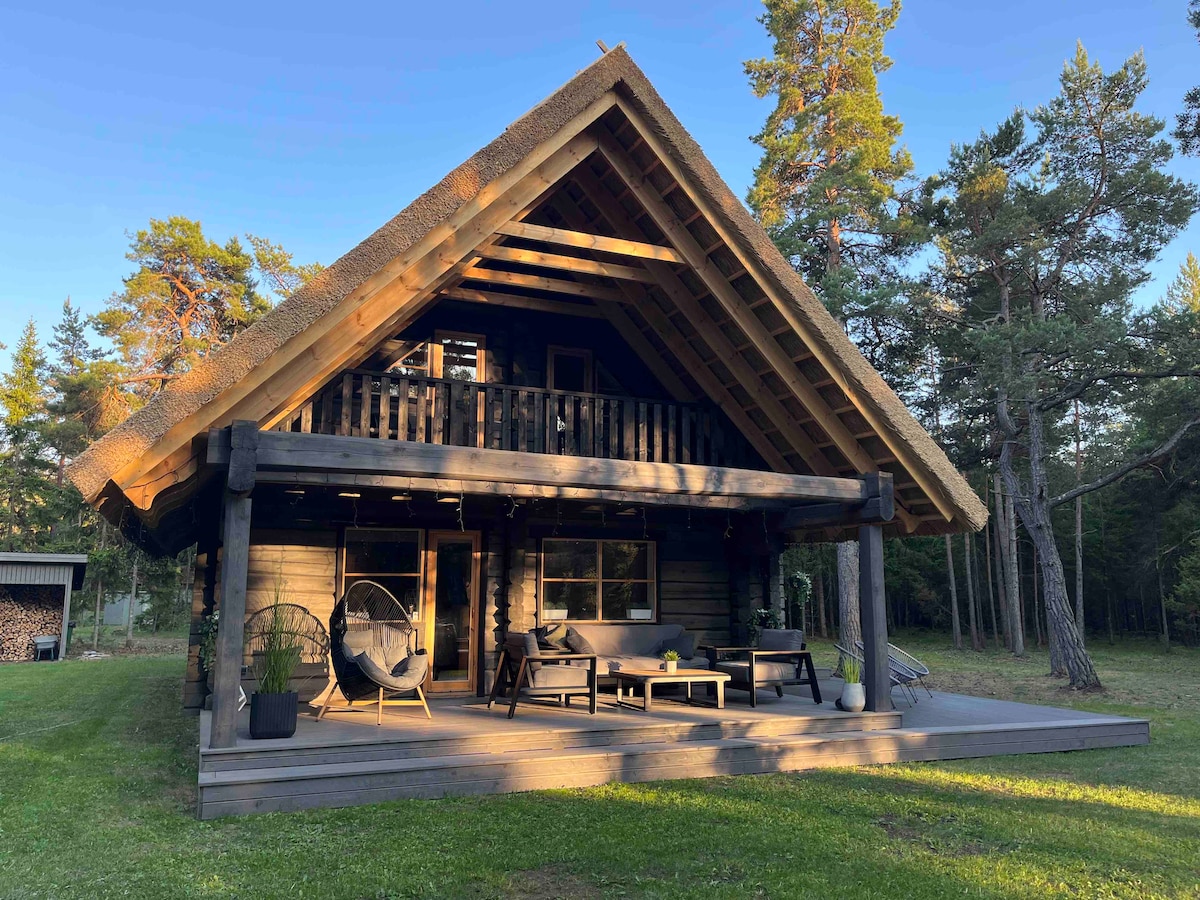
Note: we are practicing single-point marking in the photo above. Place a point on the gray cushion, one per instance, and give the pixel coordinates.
(560, 676)
(577, 642)
(413, 677)
(628, 639)
(548, 637)
(781, 639)
(530, 644)
(764, 670)
(684, 644)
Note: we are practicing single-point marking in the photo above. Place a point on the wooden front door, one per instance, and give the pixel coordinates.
(452, 610)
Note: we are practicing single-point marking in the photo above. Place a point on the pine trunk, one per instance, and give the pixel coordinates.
(1035, 514)
(987, 551)
(955, 624)
(819, 595)
(849, 623)
(132, 604)
(972, 618)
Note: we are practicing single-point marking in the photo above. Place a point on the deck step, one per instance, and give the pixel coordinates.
(515, 736)
(293, 787)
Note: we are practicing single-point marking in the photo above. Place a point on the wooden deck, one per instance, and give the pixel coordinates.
(467, 749)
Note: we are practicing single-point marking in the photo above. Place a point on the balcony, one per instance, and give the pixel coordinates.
(524, 419)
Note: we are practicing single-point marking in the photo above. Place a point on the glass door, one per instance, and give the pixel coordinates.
(451, 603)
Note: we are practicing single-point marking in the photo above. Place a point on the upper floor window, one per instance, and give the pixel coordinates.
(597, 581)
(460, 357)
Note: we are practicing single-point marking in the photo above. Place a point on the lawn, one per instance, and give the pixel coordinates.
(97, 772)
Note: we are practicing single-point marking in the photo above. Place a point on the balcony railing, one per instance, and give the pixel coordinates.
(507, 417)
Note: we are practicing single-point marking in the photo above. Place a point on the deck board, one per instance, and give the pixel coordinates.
(467, 749)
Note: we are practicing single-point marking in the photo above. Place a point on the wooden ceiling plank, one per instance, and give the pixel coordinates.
(599, 242)
(786, 309)
(566, 263)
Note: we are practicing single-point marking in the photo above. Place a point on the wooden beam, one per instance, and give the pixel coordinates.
(566, 263)
(735, 307)
(499, 298)
(633, 336)
(787, 309)
(235, 556)
(873, 614)
(542, 283)
(590, 241)
(287, 451)
(382, 299)
(513, 489)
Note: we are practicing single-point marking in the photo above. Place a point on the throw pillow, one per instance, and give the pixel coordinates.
(578, 643)
(545, 642)
(684, 644)
(401, 667)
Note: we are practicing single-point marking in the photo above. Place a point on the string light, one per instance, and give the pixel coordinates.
(645, 533)
(728, 525)
(461, 495)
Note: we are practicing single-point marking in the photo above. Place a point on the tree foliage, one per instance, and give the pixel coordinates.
(1187, 122)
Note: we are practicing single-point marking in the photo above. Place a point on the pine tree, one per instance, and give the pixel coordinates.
(24, 467)
(1187, 123)
(1043, 242)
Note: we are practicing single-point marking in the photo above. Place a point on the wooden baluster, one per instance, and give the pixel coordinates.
(479, 415)
(642, 442)
(421, 413)
(701, 439)
(439, 413)
(685, 435)
(490, 418)
(569, 419)
(628, 427)
(505, 419)
(658, 433)
(599, 428)
(306, 418)
(366, 401)
(539, 422)
(385, 408)
(403, 409)
(457, 415)
(347, 403)
(522, 421)
(327, 412)
(672, 456)
(585, 427)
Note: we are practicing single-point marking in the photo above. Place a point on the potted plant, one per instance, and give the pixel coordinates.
(853, 698)
(273, 708)
(670, 661)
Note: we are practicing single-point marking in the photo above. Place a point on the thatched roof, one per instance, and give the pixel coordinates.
(850, 422)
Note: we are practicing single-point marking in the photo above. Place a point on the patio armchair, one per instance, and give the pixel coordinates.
(906, 666)
(525, 668)
(898, 673)
(781, 658)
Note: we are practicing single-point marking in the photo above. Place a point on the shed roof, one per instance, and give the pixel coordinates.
(43, 568)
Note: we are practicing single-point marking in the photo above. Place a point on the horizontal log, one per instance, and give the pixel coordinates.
(590, 241)
(567, 263)
(537, 304)
(294, 453)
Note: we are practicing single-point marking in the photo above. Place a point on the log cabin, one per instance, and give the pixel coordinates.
(572, 382)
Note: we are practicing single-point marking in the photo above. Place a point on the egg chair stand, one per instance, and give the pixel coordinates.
(371, 648)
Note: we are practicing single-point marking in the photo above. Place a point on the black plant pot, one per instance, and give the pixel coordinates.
(273, 715)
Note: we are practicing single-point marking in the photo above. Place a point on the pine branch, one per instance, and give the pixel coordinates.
(1121, 471)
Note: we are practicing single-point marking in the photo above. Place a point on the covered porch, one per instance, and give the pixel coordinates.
(467, 749)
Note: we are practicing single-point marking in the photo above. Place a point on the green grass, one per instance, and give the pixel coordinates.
(97, 774)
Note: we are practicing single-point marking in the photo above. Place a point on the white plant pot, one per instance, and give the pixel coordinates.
(554, 614)
(671, 666)
(854, 697)
(641, 613)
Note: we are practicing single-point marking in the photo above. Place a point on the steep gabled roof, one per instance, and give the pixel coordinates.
(719, 310)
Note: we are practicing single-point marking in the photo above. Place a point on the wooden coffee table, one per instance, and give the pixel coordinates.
(647, 678)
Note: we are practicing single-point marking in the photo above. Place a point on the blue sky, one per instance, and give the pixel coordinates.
(312, 124)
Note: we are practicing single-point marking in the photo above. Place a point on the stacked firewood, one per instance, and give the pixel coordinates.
(24, 614)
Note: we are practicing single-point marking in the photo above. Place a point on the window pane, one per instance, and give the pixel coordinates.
(569, 559)
(570, 373)
(568, 600)
(630, 600)
(460, 359)
(626, 559)
(382, 551)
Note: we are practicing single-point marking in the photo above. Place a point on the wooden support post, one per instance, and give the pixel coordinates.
(873, 611)
(62, 640)
(235, 554)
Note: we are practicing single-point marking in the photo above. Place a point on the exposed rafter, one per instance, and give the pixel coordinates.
(542, 283)
(566, 263)
(539, 304)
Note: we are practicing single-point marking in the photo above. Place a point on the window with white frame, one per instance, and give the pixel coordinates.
(597, 581)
